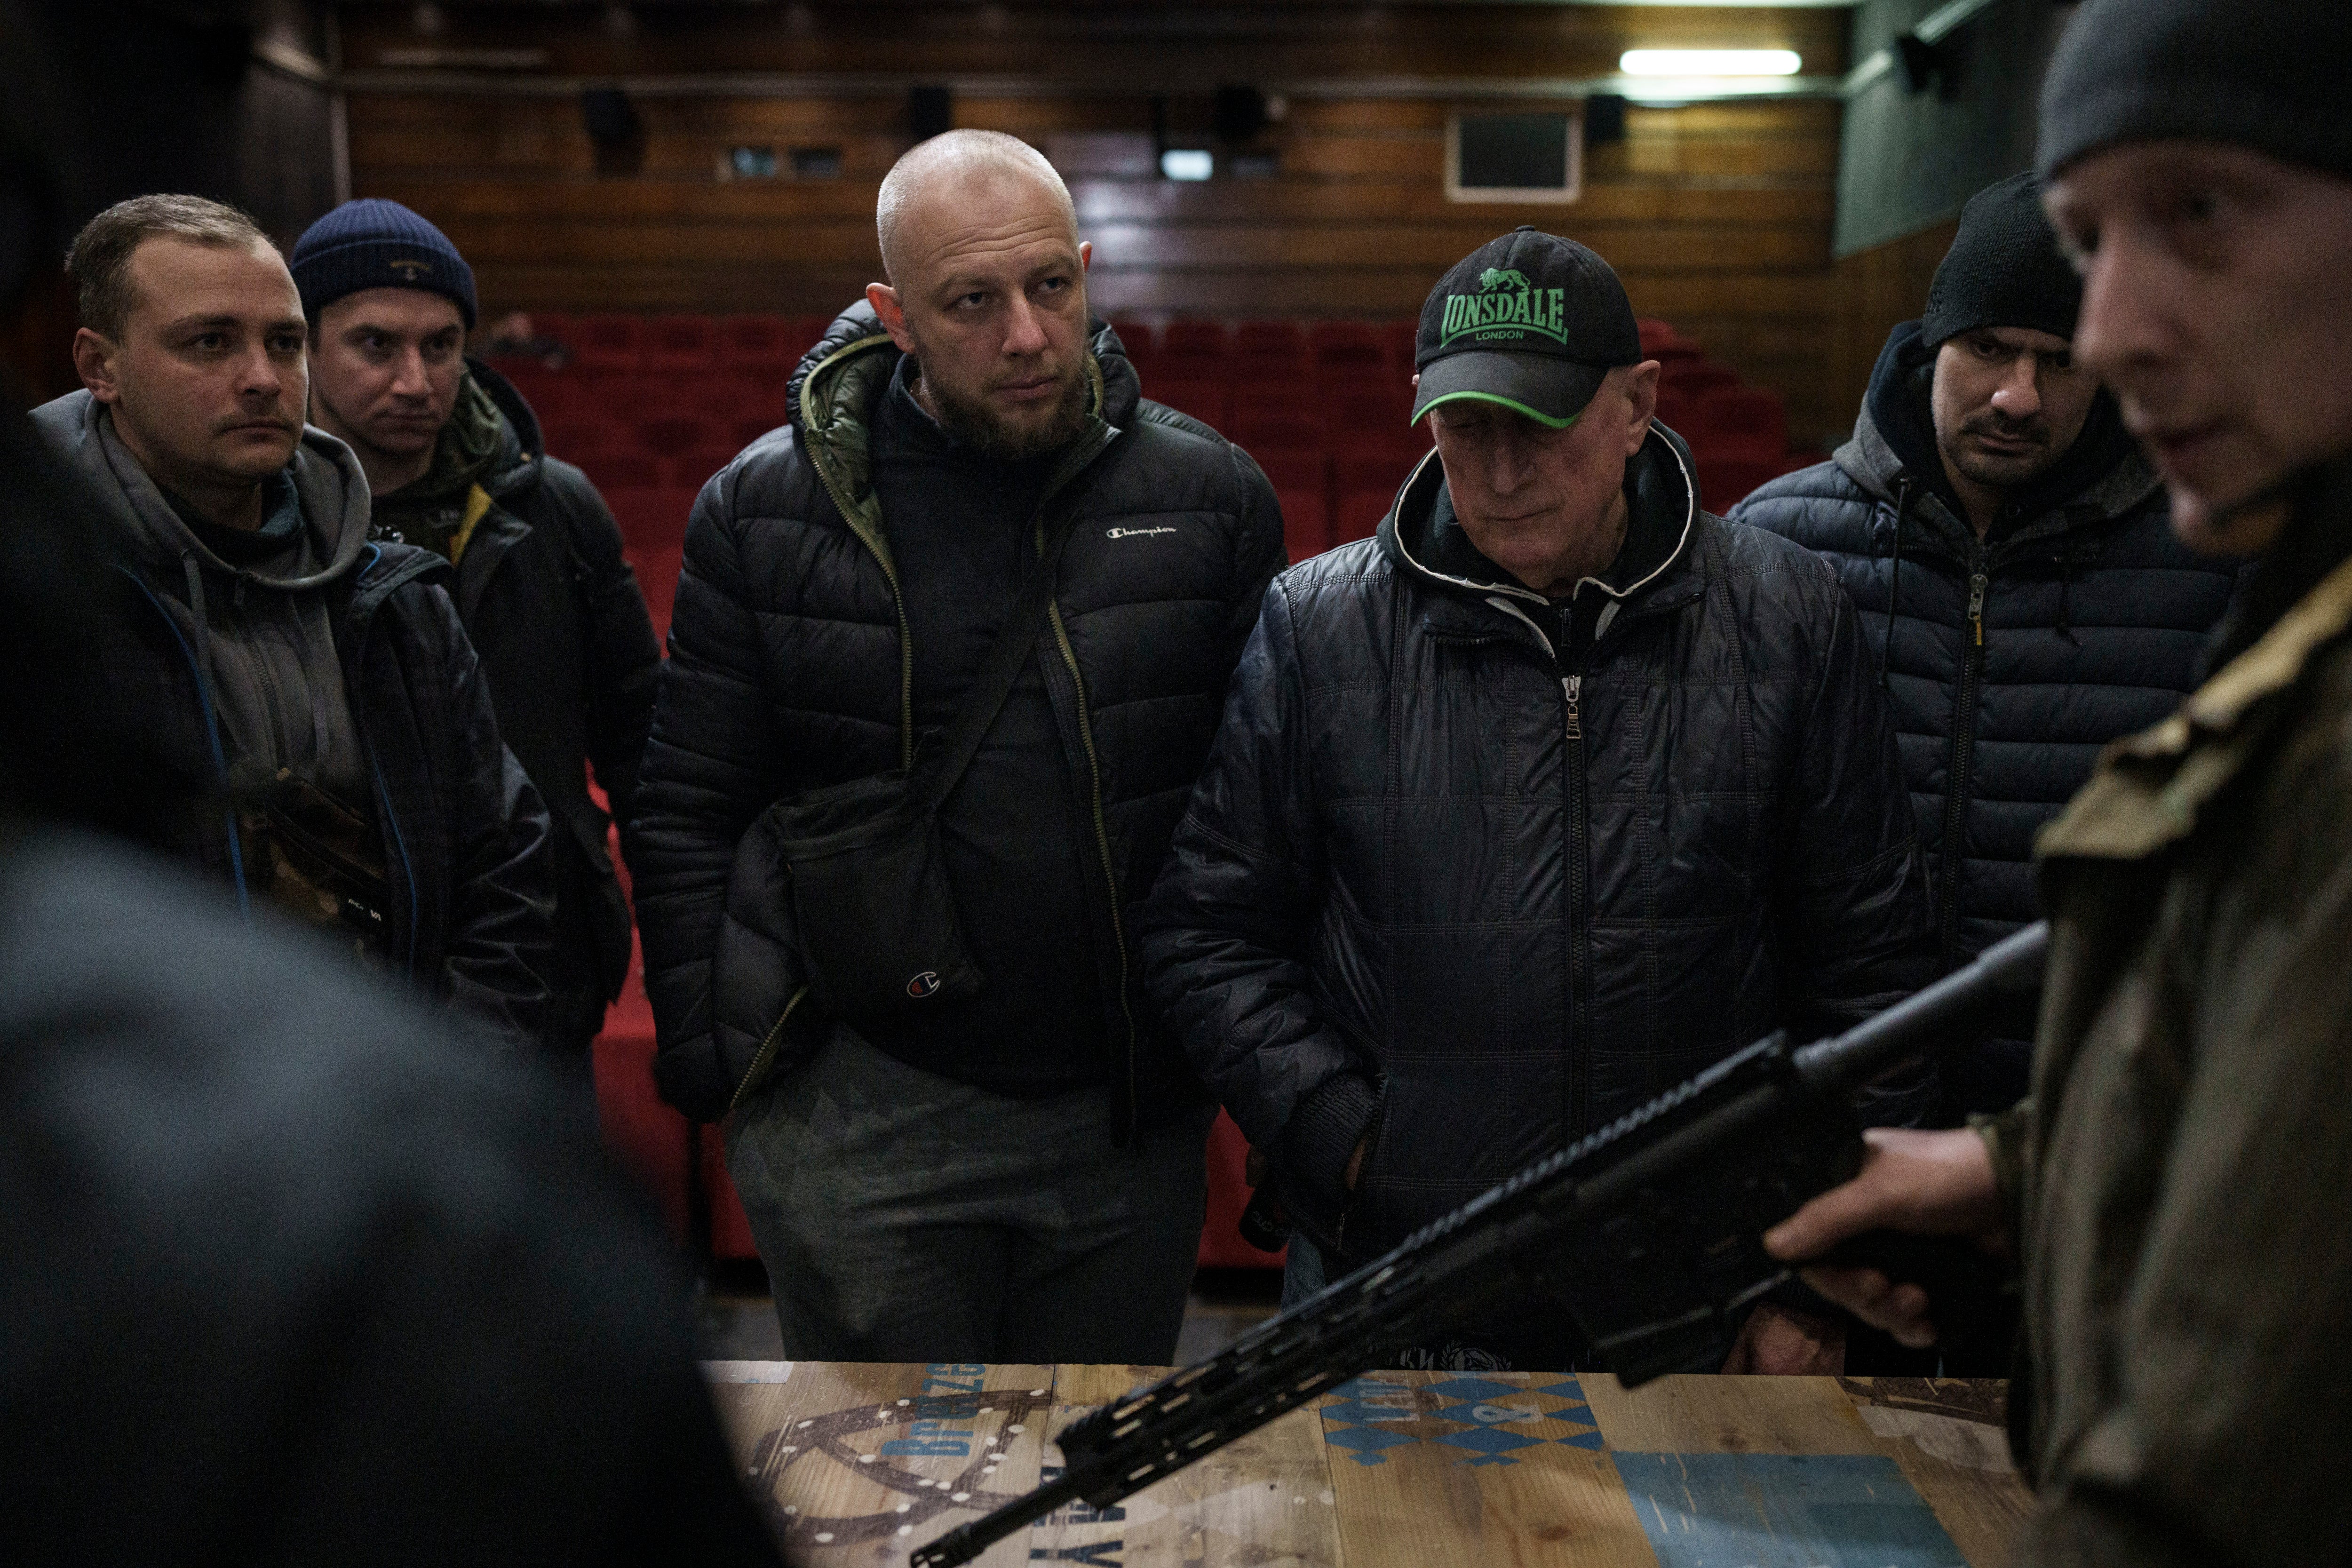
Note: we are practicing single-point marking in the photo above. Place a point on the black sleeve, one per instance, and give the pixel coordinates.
(501, 932)
(1223, 930)
(623, 656)
(711, 765)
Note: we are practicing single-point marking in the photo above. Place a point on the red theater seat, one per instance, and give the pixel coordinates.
(657, 564)
(1697, 377)
(1253, 429)
(756, 344)
(1306, 522)
(1187, 339)
(1222, 1245)
(581, 437)
(1741, 422)
(1202, 399)
(668, 433)
(650, 516)
(680, 342)
(612, 344)
(1137, 338)
(1279, 340)
(1725, 482)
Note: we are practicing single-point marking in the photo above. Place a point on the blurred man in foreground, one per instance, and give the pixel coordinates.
(456, 466)
(2178, 1186)
(288, 1276)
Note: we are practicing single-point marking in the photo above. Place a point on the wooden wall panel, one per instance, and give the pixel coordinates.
(1718, 216)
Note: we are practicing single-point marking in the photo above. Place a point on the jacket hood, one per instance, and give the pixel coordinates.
(1421, 536)
(2103, 475)
(858, 327)
(327, 477)
(523, 448)
(837, 391)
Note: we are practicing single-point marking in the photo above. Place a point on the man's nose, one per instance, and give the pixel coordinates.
(1507, 462)
(408, 378)
(258, 376)
(2018, 396)
(1024, 333)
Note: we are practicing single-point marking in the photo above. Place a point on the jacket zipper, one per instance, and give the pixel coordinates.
(765, 1057)
(1579, 1093)
(1964, 735)
(890, 574)
(1102, 847)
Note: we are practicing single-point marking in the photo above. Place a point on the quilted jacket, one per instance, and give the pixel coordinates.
(790, 669)
(1439, 884)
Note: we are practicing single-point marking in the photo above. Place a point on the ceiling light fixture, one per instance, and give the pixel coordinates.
(1709, 62)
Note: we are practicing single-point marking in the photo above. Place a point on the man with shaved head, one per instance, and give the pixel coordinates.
(997, 1158)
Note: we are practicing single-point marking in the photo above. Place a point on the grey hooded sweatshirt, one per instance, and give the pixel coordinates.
(260, 628)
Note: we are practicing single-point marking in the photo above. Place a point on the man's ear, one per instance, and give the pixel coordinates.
(885, 300)
(1641, 404)
(93, 358)
(1086, 255)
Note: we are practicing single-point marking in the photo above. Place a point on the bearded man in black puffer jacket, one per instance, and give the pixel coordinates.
(2009, 547)
(1554, 793)
(1015, 1174)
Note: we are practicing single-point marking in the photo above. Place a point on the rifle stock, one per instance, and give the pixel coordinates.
(1649, 1230)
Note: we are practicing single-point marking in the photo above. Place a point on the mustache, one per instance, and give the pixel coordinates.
(1992, 422)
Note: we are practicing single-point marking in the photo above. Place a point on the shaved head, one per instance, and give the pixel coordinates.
(987, 293)
(958, 161)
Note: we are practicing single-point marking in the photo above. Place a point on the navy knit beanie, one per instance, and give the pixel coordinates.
(2265, 74)
(2003, 270)
(374, 243)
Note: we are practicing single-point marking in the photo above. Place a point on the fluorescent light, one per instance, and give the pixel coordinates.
(1709, 62)
(1187, 163)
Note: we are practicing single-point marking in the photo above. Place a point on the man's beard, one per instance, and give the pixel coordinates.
(2003, 472)
(977, 425)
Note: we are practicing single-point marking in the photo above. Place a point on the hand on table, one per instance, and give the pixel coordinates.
(1927, 1184)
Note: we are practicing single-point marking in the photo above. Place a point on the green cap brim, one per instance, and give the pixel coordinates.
(1547, 389)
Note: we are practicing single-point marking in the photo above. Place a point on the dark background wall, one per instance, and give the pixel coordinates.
(1718, 216)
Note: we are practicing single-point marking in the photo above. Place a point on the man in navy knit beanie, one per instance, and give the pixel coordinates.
(458, 465)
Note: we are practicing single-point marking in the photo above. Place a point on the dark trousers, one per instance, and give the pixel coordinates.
(903, 1217)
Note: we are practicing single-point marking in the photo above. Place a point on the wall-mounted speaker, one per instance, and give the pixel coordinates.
(1604, 119)
(930, 110)
(1239, 112)
(615, 129)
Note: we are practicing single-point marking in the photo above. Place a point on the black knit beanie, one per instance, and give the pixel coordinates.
(2003, 270)
(2265, 74)
(376, 244)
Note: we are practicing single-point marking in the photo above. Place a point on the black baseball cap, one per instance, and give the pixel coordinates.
(1530, 320)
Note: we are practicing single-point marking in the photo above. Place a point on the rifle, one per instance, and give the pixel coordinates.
(1649, 1230)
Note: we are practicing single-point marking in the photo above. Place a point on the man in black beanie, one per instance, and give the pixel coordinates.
(2178, 1185)
(2006, 542)
(456, 461)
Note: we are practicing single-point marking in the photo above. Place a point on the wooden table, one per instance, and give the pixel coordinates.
(859, 1464)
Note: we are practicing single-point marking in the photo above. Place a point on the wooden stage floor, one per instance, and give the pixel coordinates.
(859, 1464)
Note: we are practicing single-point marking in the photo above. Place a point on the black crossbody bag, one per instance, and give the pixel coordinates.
(869, 890)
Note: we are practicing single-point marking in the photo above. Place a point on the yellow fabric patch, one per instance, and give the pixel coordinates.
(477, 502)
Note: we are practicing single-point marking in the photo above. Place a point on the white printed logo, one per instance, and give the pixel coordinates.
(1135, 532)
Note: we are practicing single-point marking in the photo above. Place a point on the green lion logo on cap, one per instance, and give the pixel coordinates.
(1505, 311)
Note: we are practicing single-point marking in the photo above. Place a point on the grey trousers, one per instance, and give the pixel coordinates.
(903, 1217)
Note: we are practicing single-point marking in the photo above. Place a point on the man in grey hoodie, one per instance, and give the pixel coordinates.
(317, 685)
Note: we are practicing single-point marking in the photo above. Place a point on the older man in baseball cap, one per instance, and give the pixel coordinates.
(2178, 1185)
(1555, 792)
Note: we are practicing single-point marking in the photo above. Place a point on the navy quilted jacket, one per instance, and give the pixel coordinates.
(2009, 661)
(1439, 884)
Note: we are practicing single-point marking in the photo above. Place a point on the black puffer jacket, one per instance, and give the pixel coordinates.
(1434, 884)
(2094, 620)
(789, 670)
(556, 616)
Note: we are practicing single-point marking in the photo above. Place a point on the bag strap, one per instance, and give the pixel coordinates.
(997, 673)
